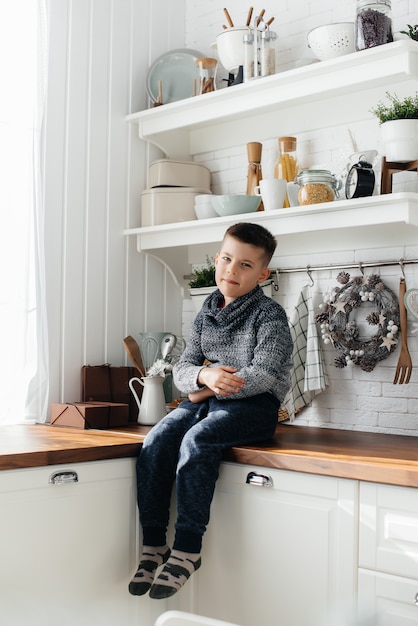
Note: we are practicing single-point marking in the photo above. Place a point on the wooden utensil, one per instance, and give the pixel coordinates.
(159, 100)
(134, 353)
(228, 18)
(404, 366)
(249, 16)
(260, 17)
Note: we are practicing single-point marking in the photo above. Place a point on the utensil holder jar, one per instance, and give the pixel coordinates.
(259, 54)
(267, 52)
(248, 43)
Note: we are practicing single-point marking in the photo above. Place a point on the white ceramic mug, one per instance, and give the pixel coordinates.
(272, 192)
(292, 193)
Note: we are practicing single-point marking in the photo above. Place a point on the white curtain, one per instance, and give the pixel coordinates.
(23, 334)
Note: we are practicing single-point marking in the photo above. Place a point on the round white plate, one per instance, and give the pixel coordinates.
(176, 70)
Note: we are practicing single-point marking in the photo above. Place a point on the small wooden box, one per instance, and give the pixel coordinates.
(106, 383)
(86, 415)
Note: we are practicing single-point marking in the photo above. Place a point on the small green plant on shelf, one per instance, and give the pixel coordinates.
(412, 32)
(397, 109)
(204, 276)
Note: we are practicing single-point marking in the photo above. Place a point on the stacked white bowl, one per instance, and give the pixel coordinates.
(203, 206)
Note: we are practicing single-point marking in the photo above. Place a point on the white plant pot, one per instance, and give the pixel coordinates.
(199, 295)
(399, 140)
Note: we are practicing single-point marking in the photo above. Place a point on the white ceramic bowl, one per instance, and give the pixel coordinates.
(202, 198)
(332, 40)
(235, 204)
(204, 210)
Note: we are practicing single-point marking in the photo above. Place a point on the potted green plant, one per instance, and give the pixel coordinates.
(399, 127)
(203, 276)
(202, 283)
(412, 32)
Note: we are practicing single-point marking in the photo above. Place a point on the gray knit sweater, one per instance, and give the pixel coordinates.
(251, 334)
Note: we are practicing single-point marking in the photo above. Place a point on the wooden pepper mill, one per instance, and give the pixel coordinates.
(254, 176)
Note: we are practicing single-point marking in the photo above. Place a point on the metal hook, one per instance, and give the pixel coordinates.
(276, 280)
(401, 263)
(360, 266)
(309, 272)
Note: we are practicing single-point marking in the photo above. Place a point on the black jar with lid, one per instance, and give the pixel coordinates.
(373, 23)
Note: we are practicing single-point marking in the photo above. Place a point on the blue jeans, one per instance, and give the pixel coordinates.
(187, 446)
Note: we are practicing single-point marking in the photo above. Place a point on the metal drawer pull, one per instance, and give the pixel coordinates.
(60, 478)
(259, 480)
(416, 599)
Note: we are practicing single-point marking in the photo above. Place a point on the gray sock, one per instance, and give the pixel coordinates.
(152, 558)
(178, 569)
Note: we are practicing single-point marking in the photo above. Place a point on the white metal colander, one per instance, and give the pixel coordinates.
(332, 40)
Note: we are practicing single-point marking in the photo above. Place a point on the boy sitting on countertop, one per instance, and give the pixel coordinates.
(235, 401)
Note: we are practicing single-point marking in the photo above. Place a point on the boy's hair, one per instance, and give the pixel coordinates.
(256, 236)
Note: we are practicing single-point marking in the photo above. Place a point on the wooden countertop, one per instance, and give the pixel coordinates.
(374, 457)
(391, 459)
(37, 445)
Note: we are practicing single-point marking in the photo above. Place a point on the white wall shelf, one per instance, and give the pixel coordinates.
(316, 96)
(373, 222)
(306, 98)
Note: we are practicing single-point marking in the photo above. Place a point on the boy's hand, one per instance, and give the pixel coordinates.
(221, 379)
(199, 396)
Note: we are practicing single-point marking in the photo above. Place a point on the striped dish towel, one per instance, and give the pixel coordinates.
(308, 375)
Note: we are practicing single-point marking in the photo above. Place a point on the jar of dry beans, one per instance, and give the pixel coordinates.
(373, 23)
(317, 186)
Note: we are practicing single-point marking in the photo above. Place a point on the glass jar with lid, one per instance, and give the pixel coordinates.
(207, 73)
(286, 166)
(248, 42)
(317, 186)
(373, 23)
(267, 52)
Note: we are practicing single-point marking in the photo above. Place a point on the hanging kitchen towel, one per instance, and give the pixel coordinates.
(308, 375)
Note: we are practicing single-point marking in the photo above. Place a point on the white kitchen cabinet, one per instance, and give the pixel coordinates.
(68, 550)
(386, 600)
(277, 555)
(388, 554)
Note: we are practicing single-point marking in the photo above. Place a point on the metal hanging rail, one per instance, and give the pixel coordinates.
(275, 272)
(360, 266)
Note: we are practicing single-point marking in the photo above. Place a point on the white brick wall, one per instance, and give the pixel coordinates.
(355, 399)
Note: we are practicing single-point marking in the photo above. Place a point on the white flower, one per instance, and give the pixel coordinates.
(160, 367)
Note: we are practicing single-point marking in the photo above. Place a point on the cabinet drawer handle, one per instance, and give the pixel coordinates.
(60, 478)
(416, 599)
(259, 480)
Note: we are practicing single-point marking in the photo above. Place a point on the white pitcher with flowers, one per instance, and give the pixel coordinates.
(152, 406)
